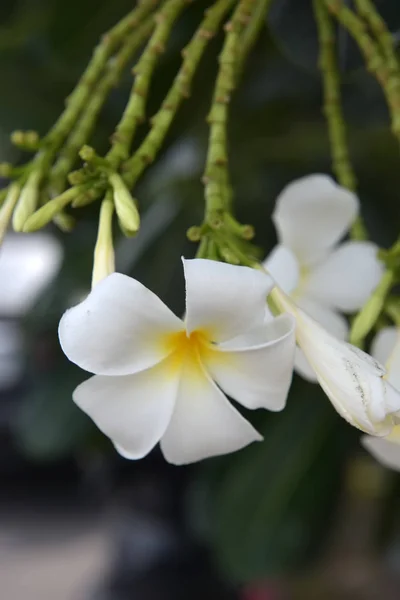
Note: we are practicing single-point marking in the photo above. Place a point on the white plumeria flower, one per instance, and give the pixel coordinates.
(353, 381)
(386, 348)
(311, 216)
(158, 378)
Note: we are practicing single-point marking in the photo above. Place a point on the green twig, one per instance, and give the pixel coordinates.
(378, 27)
(216, 177)
(341, 164)
(179, 90)
(87, 121)
(370, 312)
(103, 52)
(251, 32)
(135, 110)
(375, 61)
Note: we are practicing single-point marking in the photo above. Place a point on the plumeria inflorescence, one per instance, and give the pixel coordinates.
(168, 376)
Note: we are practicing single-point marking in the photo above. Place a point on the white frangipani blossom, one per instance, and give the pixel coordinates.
(311, 216)
(386, 348)
(353, 381)
(161, 379)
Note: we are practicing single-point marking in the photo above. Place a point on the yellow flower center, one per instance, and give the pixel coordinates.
(185, 349)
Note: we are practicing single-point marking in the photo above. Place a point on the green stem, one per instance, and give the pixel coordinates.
(109, 43)
(375, 62)
(371, 16)
(87, 121)
(392, 309)
(369, 314)
(341, 164)
(251, 32)
(80, 95)
(135, 110)
(216, 176)
(179, 90)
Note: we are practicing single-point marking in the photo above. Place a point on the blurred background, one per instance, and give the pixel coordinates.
(305, 515)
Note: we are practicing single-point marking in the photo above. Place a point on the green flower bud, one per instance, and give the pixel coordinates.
(27, 202)
(7, 208)
(125, 206)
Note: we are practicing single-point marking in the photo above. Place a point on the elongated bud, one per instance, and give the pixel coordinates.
(5, 169)
(104, 258)
(47, 212)
(7, 208)
(64, 222)
(128, 214)
(27, 202)
(353, 381)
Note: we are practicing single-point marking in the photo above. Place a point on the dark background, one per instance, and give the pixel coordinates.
(306, 514)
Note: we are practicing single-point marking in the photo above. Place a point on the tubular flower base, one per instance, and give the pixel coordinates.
(353, 381)
(161, 379)
(312, 214)
(386, 348)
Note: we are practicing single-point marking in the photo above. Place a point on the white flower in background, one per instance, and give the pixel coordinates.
(311, 216)
(353, 381)
(386, 348)
(28, 263)
(159, 378)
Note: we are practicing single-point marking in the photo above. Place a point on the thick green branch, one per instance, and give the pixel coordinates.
(216, 176)
(375, 61)
(135, 110)
(179, 90)
(251, 32)
(88, 119)
(341, 164)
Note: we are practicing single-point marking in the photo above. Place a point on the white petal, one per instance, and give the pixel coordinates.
(132, 410)
(352, 380)
(347, 277)
(331, 320)
(328, 318)
(225, 300)
(312, 214)
(284, 268)
(257, 376)
(303, 367)
(385, 450)
(386, 349)
(203, 423)
(119, 328)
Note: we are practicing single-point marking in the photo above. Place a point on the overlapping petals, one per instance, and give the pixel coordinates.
(158, 378)
(386, 347)
(312, 214)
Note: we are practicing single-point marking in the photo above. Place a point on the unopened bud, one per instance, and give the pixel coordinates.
(7, 208)
(194, 234)
(47, 212)
(17, 138)
(27, 202)
(64, 222)
(5, 169)
(128, 214)
(31, 139)
(87, 153)
(104, 258)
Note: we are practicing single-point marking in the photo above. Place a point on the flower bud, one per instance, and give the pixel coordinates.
(7, 208)
(27, 202)
(104, 259)
(128, 214)
(47, 212)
